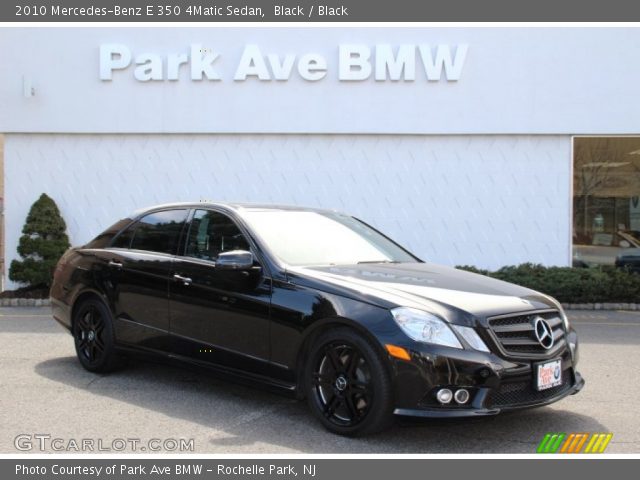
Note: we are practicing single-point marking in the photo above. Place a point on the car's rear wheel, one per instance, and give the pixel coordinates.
(348, 386)
(94, 337)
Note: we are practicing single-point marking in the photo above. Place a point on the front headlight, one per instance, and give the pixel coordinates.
(424, 327)
(471, 337)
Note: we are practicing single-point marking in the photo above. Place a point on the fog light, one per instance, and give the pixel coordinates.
(444, 395)
(462, 396)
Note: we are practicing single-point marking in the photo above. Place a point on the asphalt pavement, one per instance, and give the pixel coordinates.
(46, 395)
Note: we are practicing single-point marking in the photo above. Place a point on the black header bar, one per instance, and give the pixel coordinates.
(260, 11)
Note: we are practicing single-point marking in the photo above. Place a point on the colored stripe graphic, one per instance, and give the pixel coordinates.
(543, 443)
(551, 442)
(573, 442)
(598, 443)
(558, 442)
(568, 443)
(606, 442)
(591, 442)
(581, 442)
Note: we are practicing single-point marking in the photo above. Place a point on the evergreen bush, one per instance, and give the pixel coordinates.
(43, 241)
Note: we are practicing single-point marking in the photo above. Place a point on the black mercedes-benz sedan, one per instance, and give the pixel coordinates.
(315, 303)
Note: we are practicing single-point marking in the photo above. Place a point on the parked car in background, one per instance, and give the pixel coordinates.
(318, 304)
(606, 247)
(629, 261)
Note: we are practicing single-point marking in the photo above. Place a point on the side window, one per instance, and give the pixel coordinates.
(212, 233)
(159, 231)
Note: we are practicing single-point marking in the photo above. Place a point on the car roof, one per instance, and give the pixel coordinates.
(237, 206)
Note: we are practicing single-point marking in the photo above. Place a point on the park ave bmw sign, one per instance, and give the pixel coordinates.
(356, 62)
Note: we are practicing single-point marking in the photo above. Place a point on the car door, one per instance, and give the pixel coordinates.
(219, 316)
(139, 267)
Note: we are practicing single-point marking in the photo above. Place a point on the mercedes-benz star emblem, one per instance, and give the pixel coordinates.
(543, 331)
(341, 383)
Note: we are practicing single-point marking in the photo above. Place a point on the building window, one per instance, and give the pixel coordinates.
(606, 201)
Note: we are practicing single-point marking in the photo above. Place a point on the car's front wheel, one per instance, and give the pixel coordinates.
(94, 337)
(348, 386)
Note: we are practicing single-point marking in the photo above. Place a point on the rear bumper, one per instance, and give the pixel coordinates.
(61, 313)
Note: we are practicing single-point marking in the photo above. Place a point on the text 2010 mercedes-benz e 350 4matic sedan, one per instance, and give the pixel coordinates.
(316, 303)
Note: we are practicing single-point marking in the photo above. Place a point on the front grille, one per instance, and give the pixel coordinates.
(515, 334)
(524, 393)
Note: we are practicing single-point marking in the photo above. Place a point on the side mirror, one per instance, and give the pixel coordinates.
(235, 260)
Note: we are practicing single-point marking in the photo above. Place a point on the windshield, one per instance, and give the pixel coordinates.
(322, 238)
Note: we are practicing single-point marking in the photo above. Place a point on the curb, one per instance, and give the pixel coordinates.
(45, 302)
(25, 302)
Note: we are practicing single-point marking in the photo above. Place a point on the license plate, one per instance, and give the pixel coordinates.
(549, 375)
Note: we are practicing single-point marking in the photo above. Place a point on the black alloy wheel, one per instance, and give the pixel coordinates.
(93, 335)
(343, 382)
(348, 384)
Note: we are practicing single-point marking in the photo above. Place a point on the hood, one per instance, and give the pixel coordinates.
(430, 287)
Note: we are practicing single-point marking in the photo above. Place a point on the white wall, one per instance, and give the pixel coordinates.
(482, 200)
(515, 80)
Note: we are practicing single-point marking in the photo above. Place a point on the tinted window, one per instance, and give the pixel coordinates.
(212, 233)
(159, 231)
(105, 237)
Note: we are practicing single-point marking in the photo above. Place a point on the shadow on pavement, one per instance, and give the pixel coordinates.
(247, 416)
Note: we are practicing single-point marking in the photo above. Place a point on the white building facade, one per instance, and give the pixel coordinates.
(456, 142)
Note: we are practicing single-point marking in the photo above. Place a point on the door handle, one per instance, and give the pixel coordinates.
(114, 264)
(186, 281)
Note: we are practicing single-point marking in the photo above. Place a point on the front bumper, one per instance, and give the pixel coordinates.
(478, 410)
(496, 383)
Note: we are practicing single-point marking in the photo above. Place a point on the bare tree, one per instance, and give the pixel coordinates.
(594, 170)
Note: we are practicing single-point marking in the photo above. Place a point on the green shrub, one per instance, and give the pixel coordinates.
(571, 285)
(41, 245)
(472, 269)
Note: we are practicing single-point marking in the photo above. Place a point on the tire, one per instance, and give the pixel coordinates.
(347, 384)
(94, 337)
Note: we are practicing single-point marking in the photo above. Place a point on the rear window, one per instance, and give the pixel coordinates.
(159, 231)
(104, 239)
